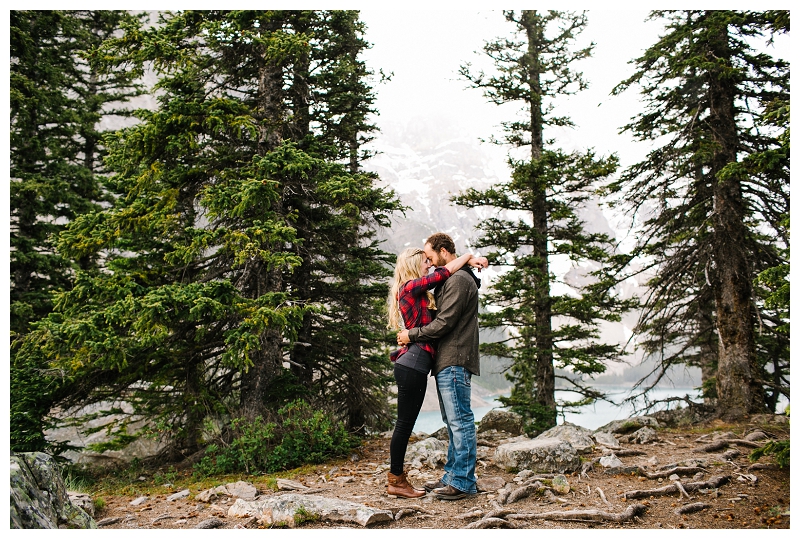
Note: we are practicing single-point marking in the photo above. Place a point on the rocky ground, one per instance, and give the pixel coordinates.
(722, 487)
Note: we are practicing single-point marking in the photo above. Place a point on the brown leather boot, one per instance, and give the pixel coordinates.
(400, 487)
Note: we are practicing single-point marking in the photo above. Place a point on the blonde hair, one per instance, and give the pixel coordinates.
(406, 269)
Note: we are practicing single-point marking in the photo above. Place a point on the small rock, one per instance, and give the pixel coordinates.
(644, 435)
(215, 509)
(731, 454)
(241, 489)
(344, 479)
(674, 477)
(698, 476)
(288, 484)
(490, 484)
(611, 461)
(441, 434)
(108, 521)
(755, 436)
(606, 439)
(560, 484)
(354, 457)
(178, 495)
(139, 501)
(209, 523)
(141, 478)
(503, 420)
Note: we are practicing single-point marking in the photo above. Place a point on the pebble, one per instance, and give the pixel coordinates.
(139, 501)
(178, 495)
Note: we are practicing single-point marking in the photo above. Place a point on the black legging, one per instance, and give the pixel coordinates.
(411, 387)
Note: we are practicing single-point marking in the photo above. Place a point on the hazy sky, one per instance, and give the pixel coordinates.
(424, 50)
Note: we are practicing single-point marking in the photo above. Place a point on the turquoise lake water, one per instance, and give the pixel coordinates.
(591, 417)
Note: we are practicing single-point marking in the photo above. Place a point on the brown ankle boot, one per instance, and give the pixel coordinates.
(400, 487)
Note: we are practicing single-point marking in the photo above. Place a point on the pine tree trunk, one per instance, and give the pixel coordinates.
(737, 391)
(545, 373)
(260, 280)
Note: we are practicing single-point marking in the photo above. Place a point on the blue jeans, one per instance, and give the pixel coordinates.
(454, 388)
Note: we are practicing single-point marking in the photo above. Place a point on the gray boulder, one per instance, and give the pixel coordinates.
(39, 499)
(624, 426)
(548, 455)
(284, 508)
(578, 437)
(502, 420)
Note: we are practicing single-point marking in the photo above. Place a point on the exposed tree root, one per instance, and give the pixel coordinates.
(680, 470)
(487, 523)
(584, 515)
(691, 508)
(627, 452)
(603, 496)
(715, 446)
(524, 492)
(714, 482)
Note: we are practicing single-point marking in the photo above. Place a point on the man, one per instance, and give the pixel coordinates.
(456, 329)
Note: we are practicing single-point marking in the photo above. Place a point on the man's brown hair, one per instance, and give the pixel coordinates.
(440, 240)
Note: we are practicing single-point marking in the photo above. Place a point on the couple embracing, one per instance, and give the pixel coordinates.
(439, 336)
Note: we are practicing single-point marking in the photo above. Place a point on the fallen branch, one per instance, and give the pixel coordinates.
(714, 482)
(691, 508)
(487, 523)
(583, 515)
(715, 446)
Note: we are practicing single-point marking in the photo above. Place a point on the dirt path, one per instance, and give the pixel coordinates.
(754, 497)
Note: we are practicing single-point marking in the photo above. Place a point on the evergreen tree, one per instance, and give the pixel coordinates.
(717, 183)
(227, 196)
(340, 355)
(545, 329)
(57, 102)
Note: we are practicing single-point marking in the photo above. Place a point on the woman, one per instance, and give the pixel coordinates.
(410, 303)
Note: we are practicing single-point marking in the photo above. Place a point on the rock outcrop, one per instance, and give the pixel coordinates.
(39, 499)
(578, 437)
(289, 509)
(501, 420)
(625, 426)
(548, 455)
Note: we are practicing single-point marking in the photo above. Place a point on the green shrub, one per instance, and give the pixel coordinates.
(779, 449)
(301, 435)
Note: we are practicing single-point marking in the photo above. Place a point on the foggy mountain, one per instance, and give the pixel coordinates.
(427, 161)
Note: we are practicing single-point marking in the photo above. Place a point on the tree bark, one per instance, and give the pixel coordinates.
(738, 392)
(545, 372)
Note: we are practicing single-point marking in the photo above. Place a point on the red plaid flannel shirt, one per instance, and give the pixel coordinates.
(413, 303)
